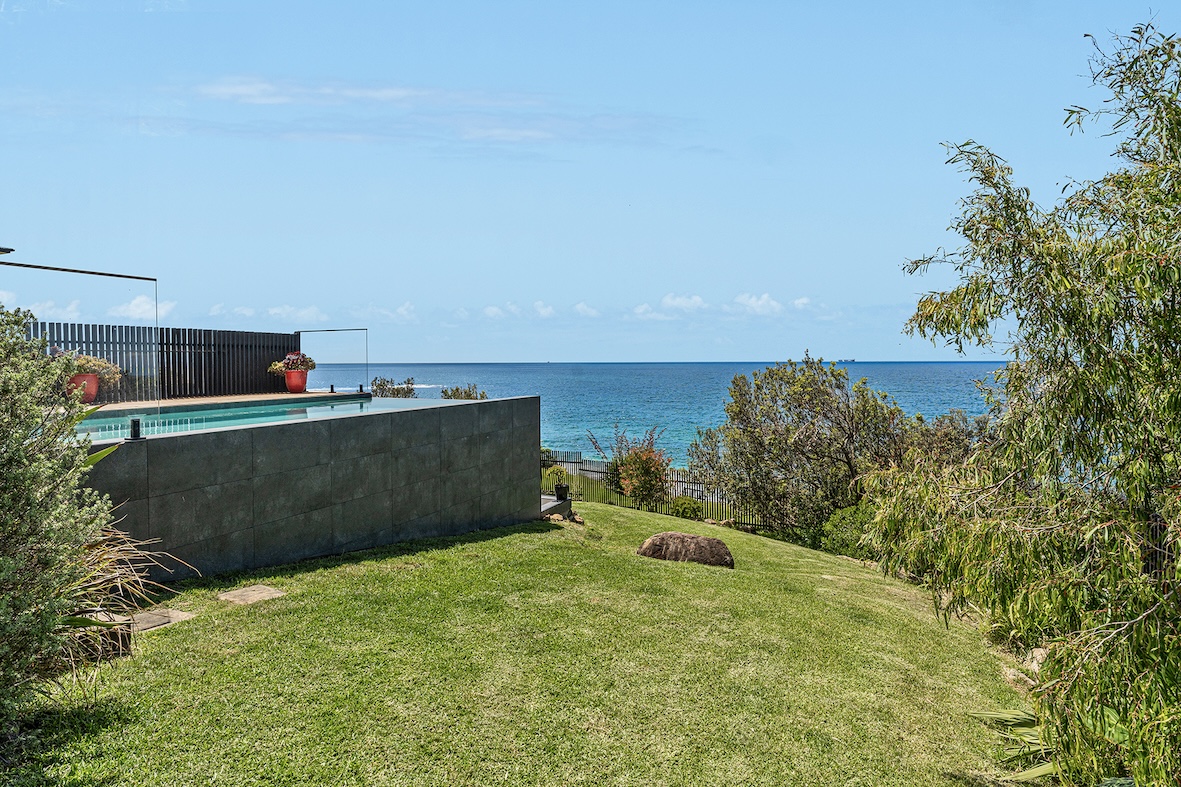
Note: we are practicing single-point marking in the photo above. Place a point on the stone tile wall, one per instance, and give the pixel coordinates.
(249, 497)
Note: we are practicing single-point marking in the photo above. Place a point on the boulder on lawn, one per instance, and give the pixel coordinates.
(686, 547)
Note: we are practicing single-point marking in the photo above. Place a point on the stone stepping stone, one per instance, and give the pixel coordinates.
(251, 594)
(156, 618)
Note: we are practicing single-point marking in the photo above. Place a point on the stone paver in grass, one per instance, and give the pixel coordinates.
(155, 618)
(251, 594)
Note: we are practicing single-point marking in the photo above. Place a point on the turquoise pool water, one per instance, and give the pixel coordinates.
(118, 426)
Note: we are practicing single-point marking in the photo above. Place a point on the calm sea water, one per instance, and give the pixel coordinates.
(676, 397)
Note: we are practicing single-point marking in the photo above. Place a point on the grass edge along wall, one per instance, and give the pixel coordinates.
(249, 497)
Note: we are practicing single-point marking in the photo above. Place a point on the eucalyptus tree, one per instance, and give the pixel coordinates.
(1065, 525)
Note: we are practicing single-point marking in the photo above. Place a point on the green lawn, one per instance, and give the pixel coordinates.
(543, 654)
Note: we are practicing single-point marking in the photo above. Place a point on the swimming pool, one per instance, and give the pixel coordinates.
(200, 418)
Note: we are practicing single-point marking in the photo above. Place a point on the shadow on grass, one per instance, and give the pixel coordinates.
(399, 549)
(56, 727)
(975, 780)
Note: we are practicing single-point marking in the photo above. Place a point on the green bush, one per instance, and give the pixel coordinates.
(844, 530)
(636, 468)
(47, 519)
(468, 391)
(686, 507)
(386, 388)
(797, 440)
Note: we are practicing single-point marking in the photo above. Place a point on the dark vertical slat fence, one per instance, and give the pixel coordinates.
(588, 481)
(174, 363)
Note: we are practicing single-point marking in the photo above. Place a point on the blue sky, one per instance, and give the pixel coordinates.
(484, 182)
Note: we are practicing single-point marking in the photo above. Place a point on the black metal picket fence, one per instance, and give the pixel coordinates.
(172, 363)
(588, 480)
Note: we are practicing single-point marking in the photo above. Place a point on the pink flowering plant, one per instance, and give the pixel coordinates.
(294, 362)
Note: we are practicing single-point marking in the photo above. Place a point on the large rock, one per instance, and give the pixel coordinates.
(686, 547)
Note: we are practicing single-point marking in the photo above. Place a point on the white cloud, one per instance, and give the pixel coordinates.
(759, 304)
(586, 311)
(461, 313)
(219, 310)
(514, 308)
(7, 297)
(644, 312)
(801, 303)
(542, 309)
(289, 313)
(406, 313)
(141, 307)
(687, 303)
(49, 310)
(252, 90)
(493, 312)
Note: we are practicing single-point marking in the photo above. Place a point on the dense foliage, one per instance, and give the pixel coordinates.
(387, 388)
(636, 468)
(1064, 523)
(686, 507)
(47, 520)
(796, 442)
(468, 391)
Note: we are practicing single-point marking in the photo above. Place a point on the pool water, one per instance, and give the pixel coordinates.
(118, 427)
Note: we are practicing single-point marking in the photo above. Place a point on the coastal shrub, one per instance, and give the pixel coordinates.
(468, 391)
(686, 507)
(1064, 524)
(795, 444)
(47, 519)
(385, 387)
(845, 530)
(636, 468)
(643, 474)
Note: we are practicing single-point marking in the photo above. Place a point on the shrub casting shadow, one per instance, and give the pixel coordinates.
(52, 728)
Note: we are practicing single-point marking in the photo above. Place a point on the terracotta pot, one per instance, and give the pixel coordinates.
(297, 380)
(88, 383)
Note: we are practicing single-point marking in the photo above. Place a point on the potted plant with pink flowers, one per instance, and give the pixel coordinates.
(294, 368)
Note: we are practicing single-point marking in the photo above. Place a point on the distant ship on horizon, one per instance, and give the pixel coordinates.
(846, 360)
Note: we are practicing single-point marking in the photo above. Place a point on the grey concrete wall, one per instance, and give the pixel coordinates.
(249, 497)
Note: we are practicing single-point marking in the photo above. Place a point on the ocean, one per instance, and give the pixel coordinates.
(676, 397)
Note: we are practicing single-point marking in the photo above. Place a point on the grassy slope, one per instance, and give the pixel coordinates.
(550, 655)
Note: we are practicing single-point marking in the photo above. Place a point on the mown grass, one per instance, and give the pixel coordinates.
(542, 654)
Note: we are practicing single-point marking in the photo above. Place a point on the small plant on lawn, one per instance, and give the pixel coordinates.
(844, 532)
(294, 362)
(686, 507)
(386, 388)
(468, 391)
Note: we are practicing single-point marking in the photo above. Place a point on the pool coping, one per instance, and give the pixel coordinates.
(220, 402)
